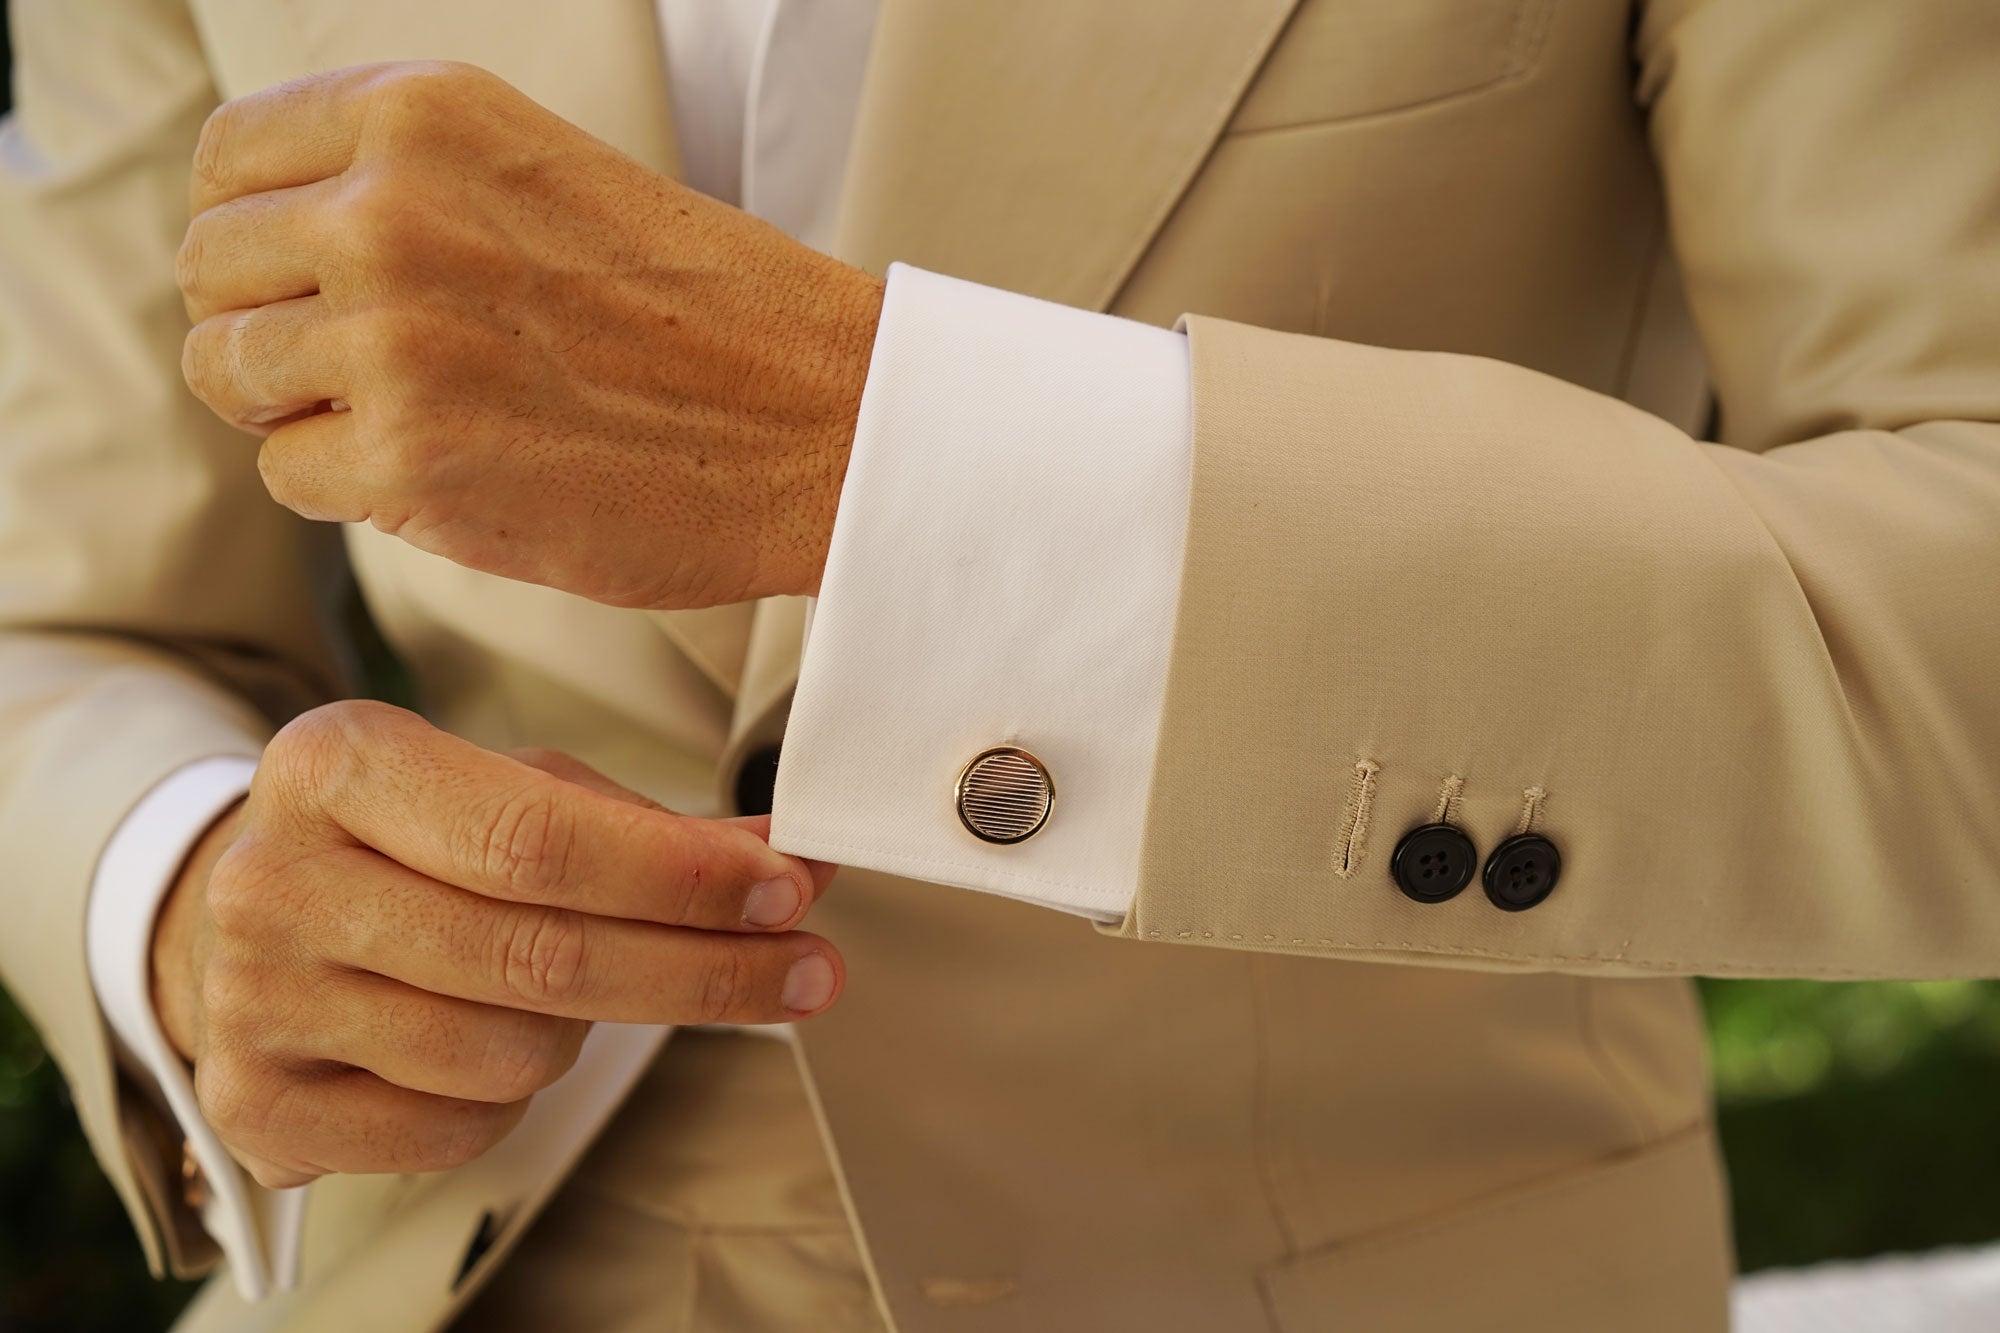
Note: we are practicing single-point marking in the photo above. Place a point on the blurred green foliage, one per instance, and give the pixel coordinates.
(1857, 1119)
(68, 1260)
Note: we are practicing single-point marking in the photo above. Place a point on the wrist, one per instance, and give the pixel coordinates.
(854, 312)
(176, 932)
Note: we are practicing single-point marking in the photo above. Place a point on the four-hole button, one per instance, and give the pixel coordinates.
(1522, 872)
(1433, 862)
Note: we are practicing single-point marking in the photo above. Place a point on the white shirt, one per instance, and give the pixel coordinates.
(1003, 570)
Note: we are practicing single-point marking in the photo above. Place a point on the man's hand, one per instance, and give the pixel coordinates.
(399, 938)
(460, 317)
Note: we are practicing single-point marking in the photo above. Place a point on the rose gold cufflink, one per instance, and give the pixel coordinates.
(1004, 795)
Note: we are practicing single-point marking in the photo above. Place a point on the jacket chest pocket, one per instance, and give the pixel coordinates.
(1341, 59)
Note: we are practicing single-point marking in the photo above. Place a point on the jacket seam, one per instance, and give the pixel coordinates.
(1706, 966)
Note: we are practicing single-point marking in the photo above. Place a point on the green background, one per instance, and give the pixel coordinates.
(1856, 1118)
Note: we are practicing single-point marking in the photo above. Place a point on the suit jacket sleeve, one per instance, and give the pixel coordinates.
(1747, 688)
(155, 606)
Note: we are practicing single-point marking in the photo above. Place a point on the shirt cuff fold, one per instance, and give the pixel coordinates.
(257, 1229)
(1004, 570)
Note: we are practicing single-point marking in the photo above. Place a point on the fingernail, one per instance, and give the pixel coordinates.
(809, 984)
(772, 903)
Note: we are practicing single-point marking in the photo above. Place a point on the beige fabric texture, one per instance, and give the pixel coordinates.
(1457, 272)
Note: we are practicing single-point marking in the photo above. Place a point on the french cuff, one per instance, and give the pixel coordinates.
(258, 1230)
(1003, 575)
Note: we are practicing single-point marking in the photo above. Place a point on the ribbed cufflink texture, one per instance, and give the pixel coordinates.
(1004, 795)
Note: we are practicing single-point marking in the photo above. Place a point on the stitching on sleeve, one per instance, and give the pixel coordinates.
(1708, 967)
(1354, 824)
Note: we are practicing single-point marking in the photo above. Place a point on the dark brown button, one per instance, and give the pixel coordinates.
(757, 781)
(1433, 862)
(1522, 872)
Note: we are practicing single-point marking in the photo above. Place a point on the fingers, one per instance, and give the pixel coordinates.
(431, 1043)
(374, 915)
(295, 133)
(289, 1126)
(822, 871)
(255, 249)
(311, 128)
(312, 465)
(257, 367)
(497, 827)
(571, 769)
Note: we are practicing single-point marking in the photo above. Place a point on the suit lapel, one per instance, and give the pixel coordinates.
(1039, 145)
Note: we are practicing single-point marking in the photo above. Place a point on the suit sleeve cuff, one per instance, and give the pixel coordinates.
(1004, 570)
(257, 1229)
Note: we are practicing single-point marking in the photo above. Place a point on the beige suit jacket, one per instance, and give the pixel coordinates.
(1454, 265)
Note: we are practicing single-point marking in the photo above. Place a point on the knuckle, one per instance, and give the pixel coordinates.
(188, 259)
(326, 747)
(723, 989)
(397, 357)
(408, 459)
(211, 145)
(236, 1099)
(306, 745)
(540, 756)
(236, 893)
(529, 841)
(279, 481)
(231, 994)
(381, 216)
(466, 1132)
(395, 341)
(544, 958)
(521, 1058)
(411, 94)
(460, 1141)
(411, 90)
(200, 361)
(271, 1176)
(458, 1144)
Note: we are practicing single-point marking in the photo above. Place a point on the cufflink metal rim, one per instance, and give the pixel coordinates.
(1011, 821)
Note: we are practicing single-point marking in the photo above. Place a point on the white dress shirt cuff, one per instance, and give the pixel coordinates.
(258, 1229)
(1004, 570)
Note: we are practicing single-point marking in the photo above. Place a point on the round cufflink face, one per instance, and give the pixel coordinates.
(1004, 795)
(1522, 872)
(1433, 862)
